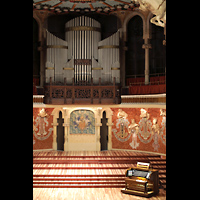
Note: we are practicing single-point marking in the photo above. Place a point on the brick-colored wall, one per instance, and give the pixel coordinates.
(43, 133)
(147, 138)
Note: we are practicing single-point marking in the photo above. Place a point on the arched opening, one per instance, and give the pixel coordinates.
(135, 55)
(104, 133)
(60, 133)
(157, 54)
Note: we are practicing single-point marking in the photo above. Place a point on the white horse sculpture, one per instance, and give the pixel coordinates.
(157, 7)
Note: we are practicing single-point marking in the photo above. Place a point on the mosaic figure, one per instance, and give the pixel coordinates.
(121, 124)
(39, 129)
(163, 126)
(133, 129)
(145, 125)
(155, 132)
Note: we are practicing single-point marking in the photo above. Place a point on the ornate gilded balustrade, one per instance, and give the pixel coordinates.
(81, 93)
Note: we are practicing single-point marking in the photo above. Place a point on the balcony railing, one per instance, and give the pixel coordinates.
(38, 99)
(151, 98)
(82, 92)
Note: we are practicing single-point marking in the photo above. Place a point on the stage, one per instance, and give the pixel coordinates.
(89, 174)
(89, 194)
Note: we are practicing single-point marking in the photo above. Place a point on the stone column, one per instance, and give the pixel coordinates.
(146, 46)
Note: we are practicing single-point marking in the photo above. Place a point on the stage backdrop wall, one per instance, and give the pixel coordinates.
(132, 128)
(42, 128)
(139, 129)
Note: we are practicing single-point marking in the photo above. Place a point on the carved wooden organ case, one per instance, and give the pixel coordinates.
(83, 55)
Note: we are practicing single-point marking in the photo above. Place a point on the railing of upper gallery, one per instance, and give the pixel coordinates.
(82, 68)
(83, 93)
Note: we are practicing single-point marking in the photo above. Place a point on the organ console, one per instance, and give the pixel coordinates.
(141, 180)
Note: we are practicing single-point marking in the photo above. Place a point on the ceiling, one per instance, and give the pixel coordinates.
(99, 6)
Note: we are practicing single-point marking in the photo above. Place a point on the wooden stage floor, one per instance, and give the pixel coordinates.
(89, 194)
(40, 169)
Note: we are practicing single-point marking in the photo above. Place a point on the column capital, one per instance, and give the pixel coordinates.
(146, 46)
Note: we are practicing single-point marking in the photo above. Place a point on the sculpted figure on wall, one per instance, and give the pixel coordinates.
(133, 129)
(155, 133)
(42, 113)
(163, 126)
(121, 124)
(157, 7)
(39, 127)
(145, 125)
(121, 114)
(144, 114)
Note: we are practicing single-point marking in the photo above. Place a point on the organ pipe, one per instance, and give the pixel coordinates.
(83, 55)
(56, 57)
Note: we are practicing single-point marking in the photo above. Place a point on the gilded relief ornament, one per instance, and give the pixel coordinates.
(155, 132)
(122, 124)
(39, 129)
(163, 126)
(145, 125)
(121, 114)
(133, 130)
(34, 127)
(42, 113)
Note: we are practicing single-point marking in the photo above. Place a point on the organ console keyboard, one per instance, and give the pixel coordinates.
(141, 180)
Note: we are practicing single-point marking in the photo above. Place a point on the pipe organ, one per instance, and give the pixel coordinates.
(82, 55)
(109, 58)
(56, 57)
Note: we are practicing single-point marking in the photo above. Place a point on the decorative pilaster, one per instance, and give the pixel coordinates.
(66, 131)
(41, 18)
(54, 135)
(123, 48)
(109, 124)
(97, 133)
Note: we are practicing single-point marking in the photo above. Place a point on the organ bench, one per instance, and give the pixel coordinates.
(141, 180)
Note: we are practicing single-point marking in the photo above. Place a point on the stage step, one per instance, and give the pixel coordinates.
(87, 161)
(79, 186)
(82, 181)
(89, 169)
(159, 167)
(158, 162)
(78, 175)
(82, 166)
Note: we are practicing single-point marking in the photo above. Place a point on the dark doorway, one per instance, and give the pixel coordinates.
(104, 133)
(60, 133)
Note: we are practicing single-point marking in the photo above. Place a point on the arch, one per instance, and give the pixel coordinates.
(157, 54)
(104, 133)
(135, 55)
(55, 114)
(149, 25)
(129, 17)
(60, 132)
(109, 114)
